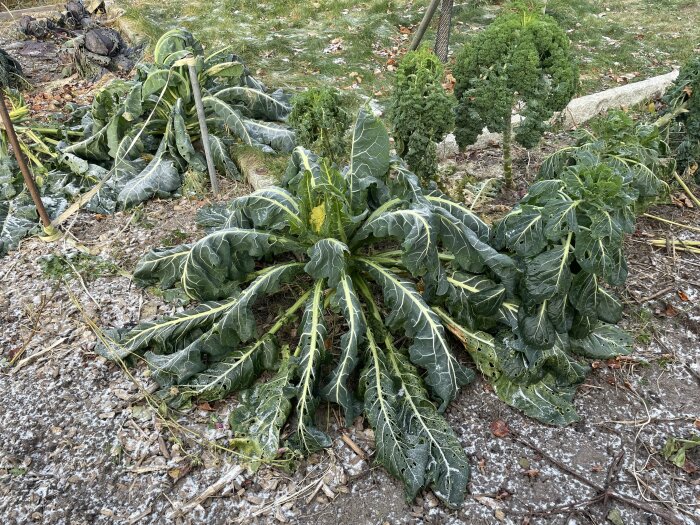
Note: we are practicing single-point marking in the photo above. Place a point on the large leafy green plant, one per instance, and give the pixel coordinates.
(520, 61)
(683, 113)
(10, 70)
(635, 149)
(155, 115)
(321, 122)
(384, 271)
(421, 112)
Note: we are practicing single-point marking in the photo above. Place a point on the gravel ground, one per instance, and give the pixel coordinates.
(80, 444)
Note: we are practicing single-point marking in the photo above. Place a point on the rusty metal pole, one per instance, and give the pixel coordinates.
(28, 179)
(442, 39)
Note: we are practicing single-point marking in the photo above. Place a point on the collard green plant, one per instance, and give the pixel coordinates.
(321, 122)
(382, 272)
(683, 114)
(420, 111)
(521, 61)
(154, 116)
(635, 149)
(10, 70)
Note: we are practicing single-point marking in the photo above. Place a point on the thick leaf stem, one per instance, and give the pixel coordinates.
(507, 155)
(287, 316)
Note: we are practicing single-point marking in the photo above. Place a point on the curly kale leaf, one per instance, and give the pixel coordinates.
(421, 112)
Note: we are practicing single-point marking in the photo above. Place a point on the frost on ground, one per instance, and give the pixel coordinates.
(80, 444)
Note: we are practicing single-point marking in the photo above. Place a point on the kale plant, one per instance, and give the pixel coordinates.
(384, 271)
(522, 61)
(321, 123)
(421, 112)
(683, 114)
(155, 114)
(10, 70)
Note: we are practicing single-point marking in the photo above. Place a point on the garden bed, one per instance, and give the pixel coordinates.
(81, 444)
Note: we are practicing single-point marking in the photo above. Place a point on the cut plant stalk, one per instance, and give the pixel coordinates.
(672, 223)
(686, 189)
(679, 245)
(28, 179)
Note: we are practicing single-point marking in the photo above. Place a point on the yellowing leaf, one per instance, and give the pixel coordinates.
(318, 217)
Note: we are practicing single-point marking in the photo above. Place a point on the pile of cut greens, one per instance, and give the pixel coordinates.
(141, 138)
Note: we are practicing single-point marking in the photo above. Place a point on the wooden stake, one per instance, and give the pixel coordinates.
(28, 179)
(430, 12)
(203, 126)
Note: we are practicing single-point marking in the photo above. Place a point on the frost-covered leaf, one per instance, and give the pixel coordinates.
(162, 266)
(15, 223)
(544, 400)
(590, 298)
(472, 254)
(604, 342)
(160, 178)
(448, 468)
(271, 208)
(602, 257)
(419, 241)
(218, 262)
(235, 372)
(460, 212)
(257, 103)
(277, 136)
(312, 352)
(430, 349)
(264, 410)
(182, 139)
(405, 455)
(230, 320)
(548, 273)
(221, 158)
(337, 388)
(327, 260)
(523, 231)
(231, 119)
(369, 158)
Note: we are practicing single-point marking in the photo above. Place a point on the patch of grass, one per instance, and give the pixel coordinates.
(291, 45)
(59, 267)
(322, 42)
(174, 238)
(644, 325)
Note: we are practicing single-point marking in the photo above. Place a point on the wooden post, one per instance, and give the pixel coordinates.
(203, 126)
(422, 28)
(28, 179)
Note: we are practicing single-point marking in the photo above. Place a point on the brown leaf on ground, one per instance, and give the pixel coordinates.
(670, 311)
(499, 428)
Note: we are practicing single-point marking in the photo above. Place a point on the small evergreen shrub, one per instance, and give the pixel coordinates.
(421, 112)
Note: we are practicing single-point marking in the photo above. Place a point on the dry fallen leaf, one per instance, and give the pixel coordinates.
(670, 311)
(499, 428)
(683, 296)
